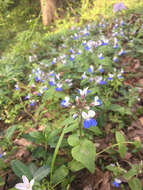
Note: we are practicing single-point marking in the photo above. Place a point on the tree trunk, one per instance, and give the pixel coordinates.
(48, 8)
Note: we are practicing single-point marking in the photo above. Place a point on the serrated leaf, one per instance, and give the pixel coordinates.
(41, 173)
(85, 153)
(60, 174)
(10, 132)
(122, 147)
(135, 184)
(20, 169)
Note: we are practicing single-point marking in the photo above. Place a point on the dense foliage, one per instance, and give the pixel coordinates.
(67, 102)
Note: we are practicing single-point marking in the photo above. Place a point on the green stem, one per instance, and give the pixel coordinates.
(55, 154)
(80, 125)
(112, 146)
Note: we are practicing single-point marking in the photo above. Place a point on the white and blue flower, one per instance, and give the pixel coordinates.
(116, 182)
(97, 101)
(88, 119)
(84, 92)
(65, 103)
(59, 87)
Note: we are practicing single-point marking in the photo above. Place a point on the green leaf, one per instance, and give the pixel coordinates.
(73, 140)
(20, 169)
(120, 109)
(132, 172)
(41, 173)
(96, 130)
(10, 131)
(75, 166)
(85, 153)
(71, 128)
(60, 174)
(122, 147)
(32, 168)
(135, 184)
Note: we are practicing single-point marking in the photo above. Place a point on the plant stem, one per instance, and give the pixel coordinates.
(80, 125)
(55, 154)
(112, 146)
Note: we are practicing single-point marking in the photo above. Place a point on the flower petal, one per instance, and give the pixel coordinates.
(87, 124)
(93, 122)
(84, 115)
(67, 98)
(20, 186)
(91, 113)
(32, 182)
(25, 180)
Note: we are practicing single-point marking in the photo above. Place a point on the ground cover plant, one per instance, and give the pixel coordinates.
(72, 105)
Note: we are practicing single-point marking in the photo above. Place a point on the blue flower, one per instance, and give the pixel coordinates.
(100, 56)
(32, 103)
(115, 59)
(97, 101)
(59, 87)
(90, 69)
(89, 123)
(101, 69)
(122, 52)
(118, 7)
(116, 46)
(72, 57)
(88, 119)
(116, 182)
(37, 79)
(51, 83)
(87, 48)
(65, 103)
(16, 87)
(103, 82)
(27, 97)
(110, 77)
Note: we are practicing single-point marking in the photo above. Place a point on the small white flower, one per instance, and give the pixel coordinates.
(97, 101)
(26, 185)
(90, 114)
(83, 92)
(84, 76)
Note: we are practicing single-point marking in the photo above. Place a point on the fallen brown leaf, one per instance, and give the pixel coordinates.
(22, 142)
(141, 120)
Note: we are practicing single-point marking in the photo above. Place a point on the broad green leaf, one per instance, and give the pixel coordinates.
(135, 184)
(122, 147)
(60, 174)
(132, 172)
(20, 169)
(73, 140)
(32, 168)
(10, 131)
(75, 166)
(41, 173)
(120, 109)
(85, 153)
(71, 128)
